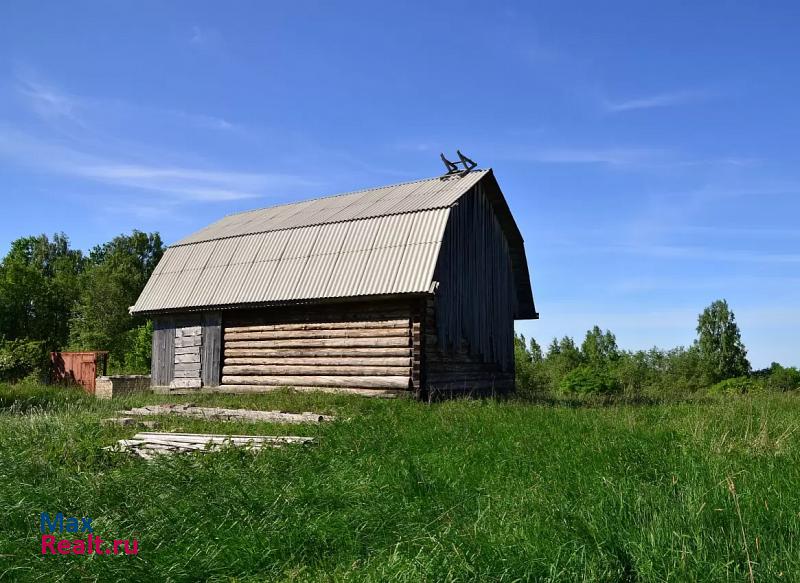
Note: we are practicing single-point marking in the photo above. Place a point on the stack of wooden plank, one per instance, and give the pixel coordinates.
(148, 445)
(220, 414)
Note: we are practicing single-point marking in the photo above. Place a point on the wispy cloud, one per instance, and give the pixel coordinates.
(610, 156)
(204, 36)
(699, 253)
(47, 101)
(660, 100)
(54, 104)
(179, 182)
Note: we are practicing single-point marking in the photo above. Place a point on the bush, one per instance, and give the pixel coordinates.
(23, 358)
(133, 354)
(586, 380)
(779, 378)
(736, 386)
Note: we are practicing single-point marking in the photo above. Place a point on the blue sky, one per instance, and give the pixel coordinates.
(649, 151)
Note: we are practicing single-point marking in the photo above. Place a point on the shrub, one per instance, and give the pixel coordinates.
(585, 380)
(779, 378)
(736, 386)
(133, 354)
(23, 358)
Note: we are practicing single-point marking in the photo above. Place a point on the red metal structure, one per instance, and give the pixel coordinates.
(78, 367)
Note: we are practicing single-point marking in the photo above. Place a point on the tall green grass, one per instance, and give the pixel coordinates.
(401, 490)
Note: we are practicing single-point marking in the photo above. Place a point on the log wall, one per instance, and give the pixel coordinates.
(356, 345)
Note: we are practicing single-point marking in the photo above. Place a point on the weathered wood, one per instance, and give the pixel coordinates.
(182, 358)
(319, 343)
(212, 349)
(186, 341)
(188, 350)
(315, 370)
(191, 383)
(221, 438)
(367, 382)
(194, 363)
(149, 445)
(187, 331)
(321, 333)
(163, 355)
(249, 389)
(401, 323)
(217, 413)
(318, 352)
(322, 360)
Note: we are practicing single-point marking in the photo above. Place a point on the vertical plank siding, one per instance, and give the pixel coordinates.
(471, 343)
(163, 354)
(212, 349)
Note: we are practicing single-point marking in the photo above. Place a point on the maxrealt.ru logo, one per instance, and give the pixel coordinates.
(91, 545)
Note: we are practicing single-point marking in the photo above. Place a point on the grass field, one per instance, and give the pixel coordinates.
(399, 490)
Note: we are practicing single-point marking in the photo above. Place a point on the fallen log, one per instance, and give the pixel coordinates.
(220, 414)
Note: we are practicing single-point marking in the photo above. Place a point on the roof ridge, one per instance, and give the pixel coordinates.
(271, 206)
(353, 220)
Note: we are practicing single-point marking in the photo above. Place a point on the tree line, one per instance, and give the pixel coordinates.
(716, 362)
(54, 297)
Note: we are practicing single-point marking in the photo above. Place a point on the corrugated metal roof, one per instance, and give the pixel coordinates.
(373, 256)
(372, 242)
(388, 200)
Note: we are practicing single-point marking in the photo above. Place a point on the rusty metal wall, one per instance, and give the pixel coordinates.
(78, 368)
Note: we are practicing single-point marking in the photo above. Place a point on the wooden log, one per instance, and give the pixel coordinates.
(218, 413)
(399, 323)
(261, 369)
(367, 382)
(321, 360)
(319, 343)
(367, 352)
(348, 333)
(250, 389)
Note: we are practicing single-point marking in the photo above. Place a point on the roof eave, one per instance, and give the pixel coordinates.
(274, 304)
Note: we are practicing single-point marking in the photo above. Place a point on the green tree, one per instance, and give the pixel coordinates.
(39, 288)
(116, 274)
(720, 345)
(562, 358)
(599, 349)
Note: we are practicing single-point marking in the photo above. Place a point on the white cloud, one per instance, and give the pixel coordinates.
(182, 183)
(203, 36)
(654, 101)
(47, 101)
(609, 156)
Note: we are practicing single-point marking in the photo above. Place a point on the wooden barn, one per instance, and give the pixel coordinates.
(412, 287)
